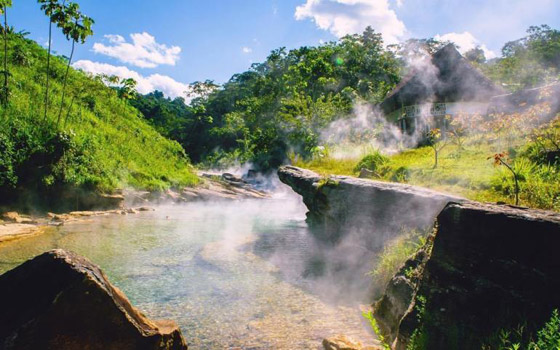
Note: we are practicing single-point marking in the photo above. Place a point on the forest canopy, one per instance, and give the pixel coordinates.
(282, 105)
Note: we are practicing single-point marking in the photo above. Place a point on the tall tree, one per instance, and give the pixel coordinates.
(77, 27)
(55, 11)
(4, 4)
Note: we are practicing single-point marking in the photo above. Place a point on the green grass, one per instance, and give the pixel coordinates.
(465, 171)
(101, 142)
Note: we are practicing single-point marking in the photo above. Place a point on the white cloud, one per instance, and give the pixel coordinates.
(342, 17)
(466, 41)
(143, 51)
(246, 49)
(146, 84)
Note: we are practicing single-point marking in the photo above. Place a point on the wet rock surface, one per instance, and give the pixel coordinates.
(342, 342)
(215, 187)
(491, 267)
(59, 300)
(376, 211)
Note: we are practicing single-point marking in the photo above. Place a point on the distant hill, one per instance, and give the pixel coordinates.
(96, 142)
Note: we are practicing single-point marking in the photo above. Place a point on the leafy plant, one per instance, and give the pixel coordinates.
(373, 162)
(502, 159)
(373, 323)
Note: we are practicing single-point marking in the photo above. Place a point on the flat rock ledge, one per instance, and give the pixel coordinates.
(60, 300)
(376, 210)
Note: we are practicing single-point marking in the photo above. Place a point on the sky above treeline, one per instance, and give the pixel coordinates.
(167, 44)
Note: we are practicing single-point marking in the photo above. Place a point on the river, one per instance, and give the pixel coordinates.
(231, 274)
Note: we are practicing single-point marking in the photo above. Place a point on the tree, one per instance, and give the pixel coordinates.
(438, 142)
(127, 90)
(77, 27)
(54, 10)
(4, 4)
(502, 159)
(476, 55)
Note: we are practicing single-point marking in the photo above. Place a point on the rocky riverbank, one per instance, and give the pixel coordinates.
(485, 267)
(488, 268)
(215, 187)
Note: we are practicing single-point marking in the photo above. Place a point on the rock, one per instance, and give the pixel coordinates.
(14, 217)
(59, 300)
(145, 209)
(11, 216)
(341, 342)
(366, 174)
(373, 210)
(14, 231)
(396, 300)
(491, 268)
(232, 178)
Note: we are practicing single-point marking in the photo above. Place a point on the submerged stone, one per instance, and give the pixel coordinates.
(60, 300)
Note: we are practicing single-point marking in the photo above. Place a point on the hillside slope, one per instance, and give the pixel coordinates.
(97, 143)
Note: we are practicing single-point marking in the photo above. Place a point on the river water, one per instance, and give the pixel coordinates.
(230, 274)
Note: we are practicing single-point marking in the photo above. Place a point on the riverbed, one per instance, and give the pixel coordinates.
(231, 274)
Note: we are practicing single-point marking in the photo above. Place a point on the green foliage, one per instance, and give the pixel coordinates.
(529, 61)
(102, 145)
(277, 107)
(395, 253)
(401, 174)
(418, 339)
(373, 162)
(547, 338)
(375, 327)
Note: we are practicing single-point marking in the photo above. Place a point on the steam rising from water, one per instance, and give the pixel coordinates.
(230, 273)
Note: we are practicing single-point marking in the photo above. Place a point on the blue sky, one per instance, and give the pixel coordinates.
(177, 42)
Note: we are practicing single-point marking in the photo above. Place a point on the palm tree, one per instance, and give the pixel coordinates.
(77, 28)
(55, 12)
(4, 4)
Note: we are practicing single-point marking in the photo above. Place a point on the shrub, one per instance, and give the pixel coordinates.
(402, 174)
(374, 162)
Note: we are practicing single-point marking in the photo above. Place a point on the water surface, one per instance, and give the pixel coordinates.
(230, 274)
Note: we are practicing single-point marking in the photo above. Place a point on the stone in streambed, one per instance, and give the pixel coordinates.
(60, 300)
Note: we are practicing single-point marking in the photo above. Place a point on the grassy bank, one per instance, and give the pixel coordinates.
(466, 168)
(94, 140)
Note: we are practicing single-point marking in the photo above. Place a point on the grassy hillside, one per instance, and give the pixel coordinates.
(98, 143)
(468, 168)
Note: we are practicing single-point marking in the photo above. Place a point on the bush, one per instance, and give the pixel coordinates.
(375, 162)
(402, 174)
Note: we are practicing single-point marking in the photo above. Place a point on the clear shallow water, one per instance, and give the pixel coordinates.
(230, 274)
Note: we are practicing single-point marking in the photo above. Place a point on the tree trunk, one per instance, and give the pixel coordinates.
(69, 110)
(5, 56)
(435, 158)
(516, 189)
(65, 82)
(48, 67)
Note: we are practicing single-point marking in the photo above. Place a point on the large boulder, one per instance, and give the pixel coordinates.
(491, 268)
(59, 300)
(374, 211)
